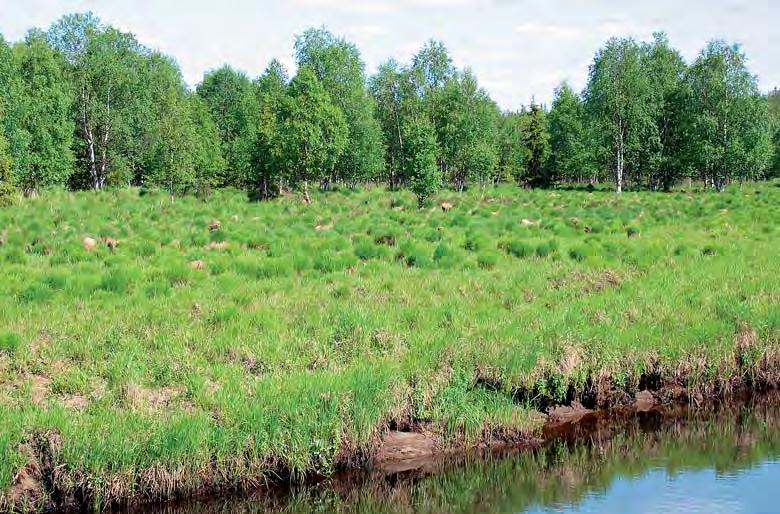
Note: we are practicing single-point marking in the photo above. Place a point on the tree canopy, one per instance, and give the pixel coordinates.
(86, 105)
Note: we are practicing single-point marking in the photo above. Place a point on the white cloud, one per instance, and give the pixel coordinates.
(621, 26)
(443, 3)
(548, 31)
(350, 6)
(367, 31)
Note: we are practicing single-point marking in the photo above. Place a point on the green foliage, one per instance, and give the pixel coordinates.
(536, 150)
(45, 101)
(9, 343)
(420, 158)
(7, 187)
(271, 89)
(726, 118)
(394, 96)
(206, 158)
(618, 100)
(337, 64)
(571, 153)
(87, 105)
(659, 162)
(466, 120)
(108, 71)
(177, 155)
(773, 101)
(510, 148)
(312, 131)
(231, 99)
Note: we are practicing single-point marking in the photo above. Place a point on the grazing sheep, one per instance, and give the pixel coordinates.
(110, 243)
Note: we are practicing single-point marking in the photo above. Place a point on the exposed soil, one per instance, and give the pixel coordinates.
(401, 451)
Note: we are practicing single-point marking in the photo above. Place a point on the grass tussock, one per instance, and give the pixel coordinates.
(178, 354)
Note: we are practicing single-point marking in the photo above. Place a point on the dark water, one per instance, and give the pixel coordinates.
(725, 458)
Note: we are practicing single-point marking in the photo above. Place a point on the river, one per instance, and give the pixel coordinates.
(722, 458)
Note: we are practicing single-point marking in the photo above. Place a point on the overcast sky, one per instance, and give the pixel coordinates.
(519, 49)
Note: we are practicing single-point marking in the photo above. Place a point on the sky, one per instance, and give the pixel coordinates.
(519, 49)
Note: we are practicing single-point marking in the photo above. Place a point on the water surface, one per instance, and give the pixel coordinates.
(725, 458)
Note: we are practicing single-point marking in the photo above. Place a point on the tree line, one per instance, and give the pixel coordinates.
(84, 105)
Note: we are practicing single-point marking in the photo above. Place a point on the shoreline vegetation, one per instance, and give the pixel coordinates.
(588, 460)
(216, 346)
(728, 436)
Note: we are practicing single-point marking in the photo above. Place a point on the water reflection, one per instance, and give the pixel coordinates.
(723, 459)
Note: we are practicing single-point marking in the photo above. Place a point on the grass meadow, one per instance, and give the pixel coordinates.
(287, 338)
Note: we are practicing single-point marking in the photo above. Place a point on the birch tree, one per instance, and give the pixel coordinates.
(571, 156)
(338, 66)
(44, 106)
(271, 90)
(617, 96)
(104, 68)
(7, 188)
(231, 99)
(658, 160)
(728, 126)
(312, 132)
(388, 89)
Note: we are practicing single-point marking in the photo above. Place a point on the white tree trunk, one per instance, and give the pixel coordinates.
(620, 161)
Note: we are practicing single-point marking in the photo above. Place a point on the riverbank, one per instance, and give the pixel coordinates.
(719, 454)
(195, 347)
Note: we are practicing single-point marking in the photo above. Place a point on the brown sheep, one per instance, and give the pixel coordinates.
(110, 243)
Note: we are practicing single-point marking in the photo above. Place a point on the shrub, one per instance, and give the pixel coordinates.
(418, 258)
(441, 251)
(709, 250)
(475, 243)
(56, 281)
(157, 289)
(10, 343)
(328, 262)
(35, 293)
(519, 249)
(178, 275)
(543, 250)
(578, 253)
(365, 249)
(487, 260)
(274, 267)
(116, 281)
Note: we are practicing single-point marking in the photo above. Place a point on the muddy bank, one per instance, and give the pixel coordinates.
(404, 450)
(581, 458)
(410, 446)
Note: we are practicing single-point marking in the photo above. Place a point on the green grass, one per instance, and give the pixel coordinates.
(559, 475)
(312, 327)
